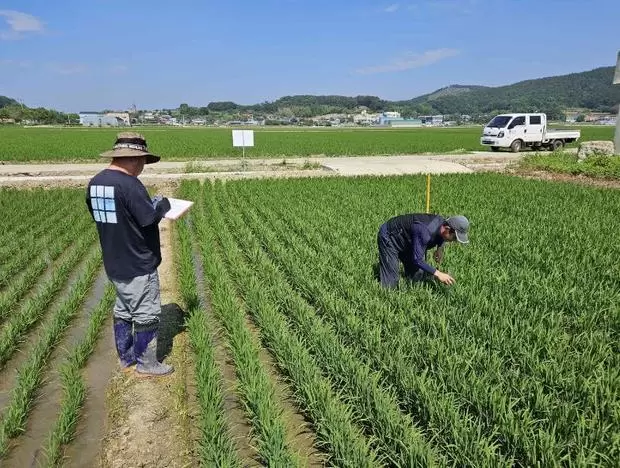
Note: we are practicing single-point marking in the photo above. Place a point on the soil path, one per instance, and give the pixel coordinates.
(62, 174)
(149, 420)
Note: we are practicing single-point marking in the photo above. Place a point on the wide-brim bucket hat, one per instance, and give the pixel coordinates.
(129, 145)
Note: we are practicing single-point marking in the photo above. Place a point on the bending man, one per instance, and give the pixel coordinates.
(407, 238)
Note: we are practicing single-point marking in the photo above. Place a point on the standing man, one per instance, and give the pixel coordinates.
(127, 222)
(407, 238)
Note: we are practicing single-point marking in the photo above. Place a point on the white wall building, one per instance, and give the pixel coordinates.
(392, 115)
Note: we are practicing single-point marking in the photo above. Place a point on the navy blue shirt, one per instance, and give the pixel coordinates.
(127, 224)
(415, 234)
(421, 241)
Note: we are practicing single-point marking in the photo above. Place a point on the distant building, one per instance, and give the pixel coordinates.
(604, 118)
(598, 116)
(124, 116)
(391, 115)
(405, 123)
(573, 114)
(611, 120)
(393, 119)
(98, 119)
(364, 118)
(431, 119)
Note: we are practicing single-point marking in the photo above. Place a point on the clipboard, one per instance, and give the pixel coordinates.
(178, 208)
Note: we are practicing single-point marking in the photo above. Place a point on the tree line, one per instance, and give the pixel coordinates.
(12, 111)
(553, 95)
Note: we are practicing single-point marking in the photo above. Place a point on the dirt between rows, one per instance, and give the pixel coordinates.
(149, 420)
(153, 422)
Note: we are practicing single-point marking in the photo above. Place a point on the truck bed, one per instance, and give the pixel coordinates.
(562, 134)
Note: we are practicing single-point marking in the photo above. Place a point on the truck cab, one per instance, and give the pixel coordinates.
(516, 131)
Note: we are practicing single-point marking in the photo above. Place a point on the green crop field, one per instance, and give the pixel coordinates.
(518, 364)
(49, 262)
(80, 144)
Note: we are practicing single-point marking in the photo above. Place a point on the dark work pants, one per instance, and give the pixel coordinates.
(389, 262)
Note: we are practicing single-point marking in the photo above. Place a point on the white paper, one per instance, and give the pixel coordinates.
(243, 137)
(178, 208)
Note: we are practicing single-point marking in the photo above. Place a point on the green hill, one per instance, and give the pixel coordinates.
(7, 101)
(453, 90)
(591, 90)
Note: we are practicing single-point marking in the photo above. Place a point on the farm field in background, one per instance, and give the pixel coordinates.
(516, 365)
(18, 144)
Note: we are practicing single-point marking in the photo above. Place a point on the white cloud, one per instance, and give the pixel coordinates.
(19, 24)
(442, 7)
(69, 68)
(118, 69)
(464, 7)
(9, 63)
(392, 8)
(409, 61)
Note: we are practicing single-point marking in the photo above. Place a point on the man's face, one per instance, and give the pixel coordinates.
(447, 233)
(136, 165)
(140, 164)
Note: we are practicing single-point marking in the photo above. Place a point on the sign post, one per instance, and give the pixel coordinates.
(617, 82)
(428, 193)
(243, 138)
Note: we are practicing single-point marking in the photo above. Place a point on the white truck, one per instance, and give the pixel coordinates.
(516, 131)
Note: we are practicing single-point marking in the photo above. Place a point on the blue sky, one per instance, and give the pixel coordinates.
(89, 55)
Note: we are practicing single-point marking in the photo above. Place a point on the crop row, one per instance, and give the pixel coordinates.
(256, 388)
(30, 374)
(30, 215)
(33, 308)
(74, 386)
(216, 447)
(314, 393)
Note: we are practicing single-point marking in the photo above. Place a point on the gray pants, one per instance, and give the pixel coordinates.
(137, 299)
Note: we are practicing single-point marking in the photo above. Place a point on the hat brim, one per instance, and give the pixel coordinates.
(130, 153)
(461, 237)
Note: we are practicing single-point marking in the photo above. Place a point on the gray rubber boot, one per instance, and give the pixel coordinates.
(145, 349)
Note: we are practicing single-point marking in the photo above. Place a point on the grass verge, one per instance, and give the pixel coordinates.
(606, 167)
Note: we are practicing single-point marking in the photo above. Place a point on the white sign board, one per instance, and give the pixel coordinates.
(243, 138)
(617, 74)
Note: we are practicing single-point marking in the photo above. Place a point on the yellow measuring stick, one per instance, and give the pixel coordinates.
(428, 193)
